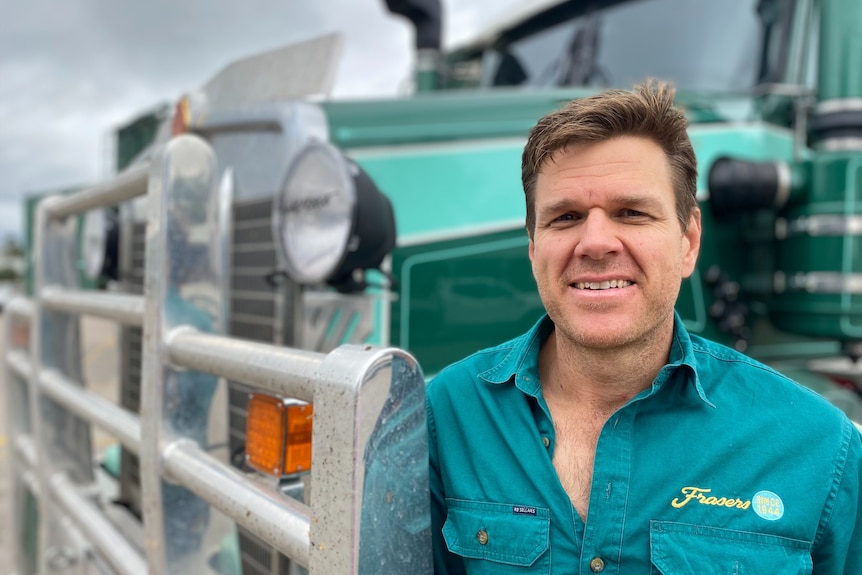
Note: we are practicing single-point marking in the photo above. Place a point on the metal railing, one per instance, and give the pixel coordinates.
(368, 509)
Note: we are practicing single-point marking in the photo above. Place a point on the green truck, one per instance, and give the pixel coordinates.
(400, 221)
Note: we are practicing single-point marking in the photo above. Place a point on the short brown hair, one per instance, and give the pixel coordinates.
(646, 111)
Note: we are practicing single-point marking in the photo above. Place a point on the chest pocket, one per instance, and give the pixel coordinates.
(682, 548)
(498, 538)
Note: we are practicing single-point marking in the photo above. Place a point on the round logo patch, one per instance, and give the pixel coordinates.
(768, 505)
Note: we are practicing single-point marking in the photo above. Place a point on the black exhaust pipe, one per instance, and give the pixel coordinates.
(427, 18)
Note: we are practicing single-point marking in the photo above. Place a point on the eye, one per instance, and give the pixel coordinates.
(632, 214)
(565, 219)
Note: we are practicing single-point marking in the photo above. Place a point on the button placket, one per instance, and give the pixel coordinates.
(611, 479)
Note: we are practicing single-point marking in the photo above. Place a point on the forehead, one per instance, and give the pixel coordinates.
(625, 165)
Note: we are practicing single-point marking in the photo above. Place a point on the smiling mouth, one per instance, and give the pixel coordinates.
(612, 284)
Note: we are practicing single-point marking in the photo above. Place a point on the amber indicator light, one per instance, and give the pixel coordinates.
(278, 435)
(297, 448)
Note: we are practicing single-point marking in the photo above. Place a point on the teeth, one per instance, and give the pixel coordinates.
(603, 285)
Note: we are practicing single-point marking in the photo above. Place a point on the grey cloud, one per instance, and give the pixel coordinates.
(70, 71)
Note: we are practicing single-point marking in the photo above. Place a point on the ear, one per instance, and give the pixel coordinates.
(531, 248)
(691, 244)
(531, 251)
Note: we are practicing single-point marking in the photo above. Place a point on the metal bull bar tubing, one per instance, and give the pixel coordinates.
(117, 552)
(125, 186)
(278, 370)
(87, 518)
(353, 390)
(122, 424)
(26, 451)
(20, 307)
(19, 363)
(368, 512)
(125, 309)
(60, 410)
(19, 460)
(183, 285)
(280, 521)
(369, 480)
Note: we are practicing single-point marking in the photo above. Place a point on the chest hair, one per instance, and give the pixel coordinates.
(577, 435)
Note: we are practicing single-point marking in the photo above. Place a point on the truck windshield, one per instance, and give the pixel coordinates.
(700, 45)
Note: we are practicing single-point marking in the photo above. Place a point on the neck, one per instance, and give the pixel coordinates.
(602, 378)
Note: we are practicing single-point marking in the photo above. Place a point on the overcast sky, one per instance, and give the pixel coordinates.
(72, 70)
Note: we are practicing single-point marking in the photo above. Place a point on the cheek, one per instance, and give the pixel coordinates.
(555, 245)
(545, 261)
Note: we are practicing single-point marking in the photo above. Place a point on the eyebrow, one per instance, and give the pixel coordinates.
(637, 201)
(623, 200)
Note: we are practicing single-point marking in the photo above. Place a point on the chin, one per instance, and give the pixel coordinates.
(599, 334)
(602, 341)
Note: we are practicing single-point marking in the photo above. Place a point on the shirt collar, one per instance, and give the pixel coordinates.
(682, 356)
(521, 364)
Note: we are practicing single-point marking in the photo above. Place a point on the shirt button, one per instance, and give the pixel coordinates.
(545, 441)
(597, 565)
(482, 537)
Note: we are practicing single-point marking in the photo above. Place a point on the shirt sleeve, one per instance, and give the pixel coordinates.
(838, 547)
(445, 563)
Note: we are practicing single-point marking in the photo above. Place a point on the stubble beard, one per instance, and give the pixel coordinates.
(651, 332)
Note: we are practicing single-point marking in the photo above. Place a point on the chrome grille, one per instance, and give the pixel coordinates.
(131, 349)
(260, 310)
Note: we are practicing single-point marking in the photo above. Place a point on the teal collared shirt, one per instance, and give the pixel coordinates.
(722, 466)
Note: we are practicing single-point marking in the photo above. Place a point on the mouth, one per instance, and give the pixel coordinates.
(602, 285)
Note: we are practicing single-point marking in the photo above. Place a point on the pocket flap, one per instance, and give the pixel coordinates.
(686, 548)
(505, 533)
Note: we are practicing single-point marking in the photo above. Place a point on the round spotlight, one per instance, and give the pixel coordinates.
(314, 214)
(331, 220)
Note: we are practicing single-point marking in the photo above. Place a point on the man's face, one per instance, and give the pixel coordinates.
(608, 250)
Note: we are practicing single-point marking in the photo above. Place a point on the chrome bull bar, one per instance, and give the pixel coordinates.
(368, 510)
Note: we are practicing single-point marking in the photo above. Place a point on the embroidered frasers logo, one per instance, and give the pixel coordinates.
(768, 505)
(700, 495)
(521, 510)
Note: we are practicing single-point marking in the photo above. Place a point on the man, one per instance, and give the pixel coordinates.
(607, 439)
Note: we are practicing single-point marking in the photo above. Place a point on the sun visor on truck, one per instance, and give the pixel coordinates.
(305, 70)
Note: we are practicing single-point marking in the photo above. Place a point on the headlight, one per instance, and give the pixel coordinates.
(99, 244)
(330, 219)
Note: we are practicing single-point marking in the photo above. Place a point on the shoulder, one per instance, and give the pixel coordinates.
(469, 369)
(742, 382)
(485, 376)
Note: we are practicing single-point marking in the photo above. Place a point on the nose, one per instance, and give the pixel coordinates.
(598, 237)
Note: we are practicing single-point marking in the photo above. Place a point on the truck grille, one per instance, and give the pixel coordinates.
(131, 352)
(260, 310)
(258, 306)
